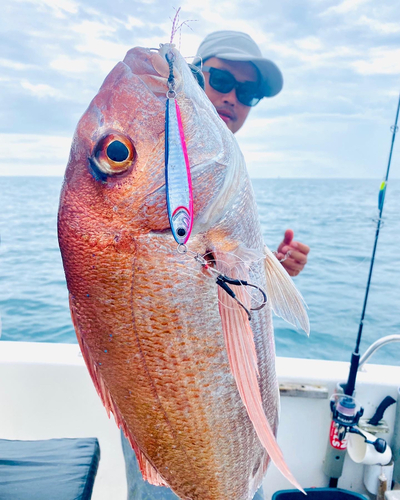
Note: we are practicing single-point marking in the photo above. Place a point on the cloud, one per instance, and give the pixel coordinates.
(226, 15)
(310, 43)
(379, 61)
(7, 63)
(345, 7)
(59, 7)
(311, 144)
(41, 90)
(319, 50)
(379, 26)
(69, 64)
(133, 22)
(81, 67)
(34, 154)
(99, 39)
(339, 61)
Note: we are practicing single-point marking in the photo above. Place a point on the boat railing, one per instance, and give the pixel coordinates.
(375, 346)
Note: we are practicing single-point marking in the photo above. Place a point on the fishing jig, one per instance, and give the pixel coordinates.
(177, 170)
(179, 189)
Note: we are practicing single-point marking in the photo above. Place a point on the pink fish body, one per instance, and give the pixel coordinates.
(188, 377)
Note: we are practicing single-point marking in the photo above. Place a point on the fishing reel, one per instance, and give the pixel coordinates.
(346, 414)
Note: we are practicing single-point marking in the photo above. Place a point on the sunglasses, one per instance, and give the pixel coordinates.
(247, 93)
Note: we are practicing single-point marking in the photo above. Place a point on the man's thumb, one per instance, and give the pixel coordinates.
(288, 237)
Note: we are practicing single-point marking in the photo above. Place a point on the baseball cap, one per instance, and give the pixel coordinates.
(238, 46)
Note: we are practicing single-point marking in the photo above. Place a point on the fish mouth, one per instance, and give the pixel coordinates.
(152, 68)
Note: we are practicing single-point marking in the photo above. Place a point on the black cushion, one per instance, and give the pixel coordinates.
(53, 469)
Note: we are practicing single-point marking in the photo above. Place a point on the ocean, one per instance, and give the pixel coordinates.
(334, 217)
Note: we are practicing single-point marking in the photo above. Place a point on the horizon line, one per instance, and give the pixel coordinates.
(251, 177)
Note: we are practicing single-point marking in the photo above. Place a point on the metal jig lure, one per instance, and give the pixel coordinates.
(179, 189)
(177, 170)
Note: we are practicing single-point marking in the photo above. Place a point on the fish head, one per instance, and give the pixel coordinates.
(115, 177)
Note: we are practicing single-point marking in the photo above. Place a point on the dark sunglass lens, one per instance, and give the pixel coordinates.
(196, 72)
(222, 81)
(248, 94)
(249, 101)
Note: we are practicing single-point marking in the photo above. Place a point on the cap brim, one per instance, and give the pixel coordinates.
(271, 76)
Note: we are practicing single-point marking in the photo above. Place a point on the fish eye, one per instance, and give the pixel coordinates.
(113, 154)
(117, 151)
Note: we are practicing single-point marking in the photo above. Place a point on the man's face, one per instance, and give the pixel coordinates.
(233, 112)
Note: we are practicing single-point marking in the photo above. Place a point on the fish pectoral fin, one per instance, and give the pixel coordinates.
(149, 473)
(285, 300)
(242, 356)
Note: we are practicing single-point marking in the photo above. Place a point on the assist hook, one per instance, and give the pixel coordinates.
(224, 281)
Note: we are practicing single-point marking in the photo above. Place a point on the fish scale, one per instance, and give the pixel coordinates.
(199, 375)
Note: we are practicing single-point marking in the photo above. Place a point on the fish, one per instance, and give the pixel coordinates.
(187, 370)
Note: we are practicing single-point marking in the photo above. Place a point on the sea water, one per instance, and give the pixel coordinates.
(334, 217)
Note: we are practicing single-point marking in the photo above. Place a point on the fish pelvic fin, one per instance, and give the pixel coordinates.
(242, 355)
(285, 300)
(149, 472)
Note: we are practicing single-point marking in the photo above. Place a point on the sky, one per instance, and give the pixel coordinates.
(340, 61)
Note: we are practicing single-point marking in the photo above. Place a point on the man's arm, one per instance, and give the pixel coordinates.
(297, 258)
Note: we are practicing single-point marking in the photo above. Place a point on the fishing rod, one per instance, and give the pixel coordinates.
(355, 357)
(345, 416)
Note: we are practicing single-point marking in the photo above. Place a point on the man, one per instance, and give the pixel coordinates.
(236, 78)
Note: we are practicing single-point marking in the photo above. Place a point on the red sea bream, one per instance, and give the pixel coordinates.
(188, 377)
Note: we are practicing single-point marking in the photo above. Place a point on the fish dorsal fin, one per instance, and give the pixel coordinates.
(242, 357)
(149, 473)
(285, 300)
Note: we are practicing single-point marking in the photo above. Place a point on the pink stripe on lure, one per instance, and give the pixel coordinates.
(177, 175)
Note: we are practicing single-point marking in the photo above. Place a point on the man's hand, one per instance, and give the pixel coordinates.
(297, 258)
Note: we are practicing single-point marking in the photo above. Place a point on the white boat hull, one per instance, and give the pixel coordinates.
(46, 392)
